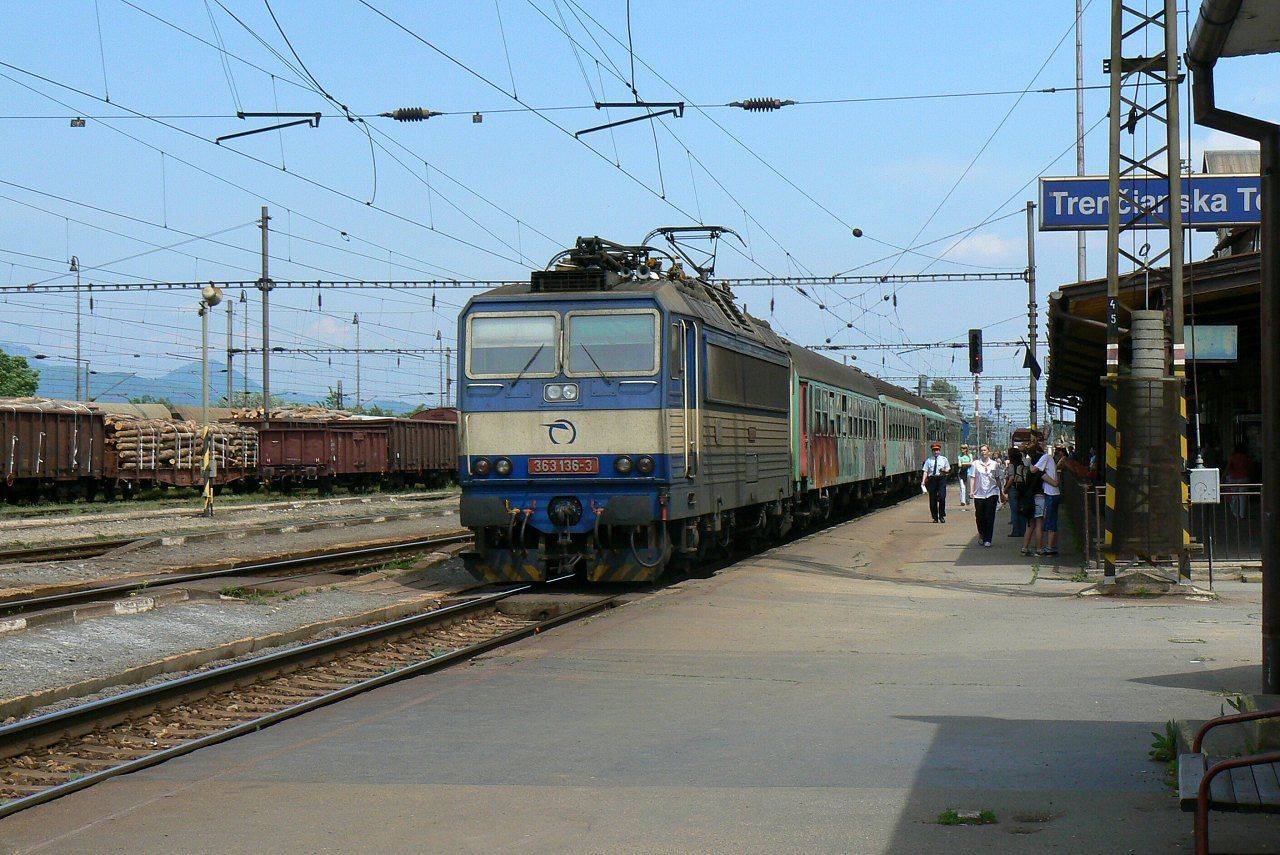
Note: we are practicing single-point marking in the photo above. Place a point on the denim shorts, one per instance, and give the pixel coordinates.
(1039, 500)
(1051, 512)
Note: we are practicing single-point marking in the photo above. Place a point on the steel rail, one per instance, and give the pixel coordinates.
(61, 551)
(47, 729)
(18, 606)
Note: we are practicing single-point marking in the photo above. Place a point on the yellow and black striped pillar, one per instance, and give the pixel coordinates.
(1180, 374)
(1112, 440)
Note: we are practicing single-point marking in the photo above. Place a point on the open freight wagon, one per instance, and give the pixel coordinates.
(50, 448)
(357, 453)
(170, 453)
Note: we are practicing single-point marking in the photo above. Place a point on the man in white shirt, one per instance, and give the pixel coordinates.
(1048, 467)
(933, 480)
(987, 489)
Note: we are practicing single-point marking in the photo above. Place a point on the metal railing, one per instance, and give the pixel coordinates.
(1230, 531)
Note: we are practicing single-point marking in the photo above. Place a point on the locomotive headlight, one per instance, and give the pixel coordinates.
(571, 391)
(623, 465)
(644, 465)
(553, 391)
(480, 466)
(502, 466)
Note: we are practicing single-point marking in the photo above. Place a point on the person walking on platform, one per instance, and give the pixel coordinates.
(964, 460)
(987, 492)
(933, 480)
(1015, 479)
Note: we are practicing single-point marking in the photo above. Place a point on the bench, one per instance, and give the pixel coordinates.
(1249, 784)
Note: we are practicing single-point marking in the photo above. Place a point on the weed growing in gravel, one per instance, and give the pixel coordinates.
(257, 597)
(1164, 749)
(951, 816)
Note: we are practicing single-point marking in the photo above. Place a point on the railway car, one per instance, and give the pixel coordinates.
(324, 453)
(49, 447)
(420, 451)
(618, 417)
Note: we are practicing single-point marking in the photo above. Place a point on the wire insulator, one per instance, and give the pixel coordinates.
(411, 114)
(762, 105)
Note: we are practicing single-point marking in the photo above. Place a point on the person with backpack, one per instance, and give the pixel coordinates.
(1015, 480)
(1031, 498)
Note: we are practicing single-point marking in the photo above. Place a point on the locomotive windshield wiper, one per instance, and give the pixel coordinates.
(607, 381)
(527, 364)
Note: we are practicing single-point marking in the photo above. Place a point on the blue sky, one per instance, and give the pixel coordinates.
(506, 193)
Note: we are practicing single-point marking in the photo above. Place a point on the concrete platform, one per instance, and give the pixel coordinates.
(834, 695)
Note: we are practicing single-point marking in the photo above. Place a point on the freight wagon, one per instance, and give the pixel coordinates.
(49, 447)
(357, 453)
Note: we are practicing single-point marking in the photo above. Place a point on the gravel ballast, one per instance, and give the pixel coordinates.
(198, 553)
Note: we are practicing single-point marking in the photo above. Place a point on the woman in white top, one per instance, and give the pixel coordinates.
(987, 492)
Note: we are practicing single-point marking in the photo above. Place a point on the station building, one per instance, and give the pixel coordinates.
(1222, 305)
(1223, 290)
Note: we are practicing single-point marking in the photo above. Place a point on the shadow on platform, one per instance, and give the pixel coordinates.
(1053, 785)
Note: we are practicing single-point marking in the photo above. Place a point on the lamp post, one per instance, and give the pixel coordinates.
(75, 268)
(210, 296)
(355, 319)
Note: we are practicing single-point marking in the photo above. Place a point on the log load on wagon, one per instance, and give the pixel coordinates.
(67, 449)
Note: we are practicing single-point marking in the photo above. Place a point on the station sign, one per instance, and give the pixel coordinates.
(1216, 343)
(1081, 203)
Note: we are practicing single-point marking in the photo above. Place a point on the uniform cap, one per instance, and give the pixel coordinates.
(936, 447)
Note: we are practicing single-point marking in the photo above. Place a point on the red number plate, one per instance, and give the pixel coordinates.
(564, 466)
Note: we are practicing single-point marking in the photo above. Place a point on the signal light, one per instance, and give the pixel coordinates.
(480, 466)
(644, 465)
(975, 351)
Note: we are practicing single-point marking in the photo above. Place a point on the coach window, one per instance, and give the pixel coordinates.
(511, 345)
(613, 343)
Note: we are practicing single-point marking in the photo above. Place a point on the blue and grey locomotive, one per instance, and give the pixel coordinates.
(619, 415)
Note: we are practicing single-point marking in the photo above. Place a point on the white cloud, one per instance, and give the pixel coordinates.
(333, 331)
(989, 249)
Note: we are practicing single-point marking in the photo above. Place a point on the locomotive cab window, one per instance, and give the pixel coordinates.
(612, 343)
(502, 344)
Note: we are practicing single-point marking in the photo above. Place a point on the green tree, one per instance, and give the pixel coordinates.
(333, 400)
(17, 379)
(249, 399)
(150, 399)
(942, 390)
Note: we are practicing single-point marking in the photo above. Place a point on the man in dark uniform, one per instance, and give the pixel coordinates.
(933, 480)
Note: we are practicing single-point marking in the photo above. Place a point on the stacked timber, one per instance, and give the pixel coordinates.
(45, 405)
(303, 412)
(150, 444)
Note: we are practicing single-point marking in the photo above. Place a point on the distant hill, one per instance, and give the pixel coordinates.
(181, 385)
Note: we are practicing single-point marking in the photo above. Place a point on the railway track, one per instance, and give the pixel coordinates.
(344, 560)
(80, 514)
(63, 551)
(50, 756)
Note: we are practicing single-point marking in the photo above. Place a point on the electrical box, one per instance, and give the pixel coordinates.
(1205, 487)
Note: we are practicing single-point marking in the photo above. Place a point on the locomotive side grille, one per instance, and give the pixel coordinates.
(568, 280)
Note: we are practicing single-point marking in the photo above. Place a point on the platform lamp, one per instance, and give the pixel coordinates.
(210, 296)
